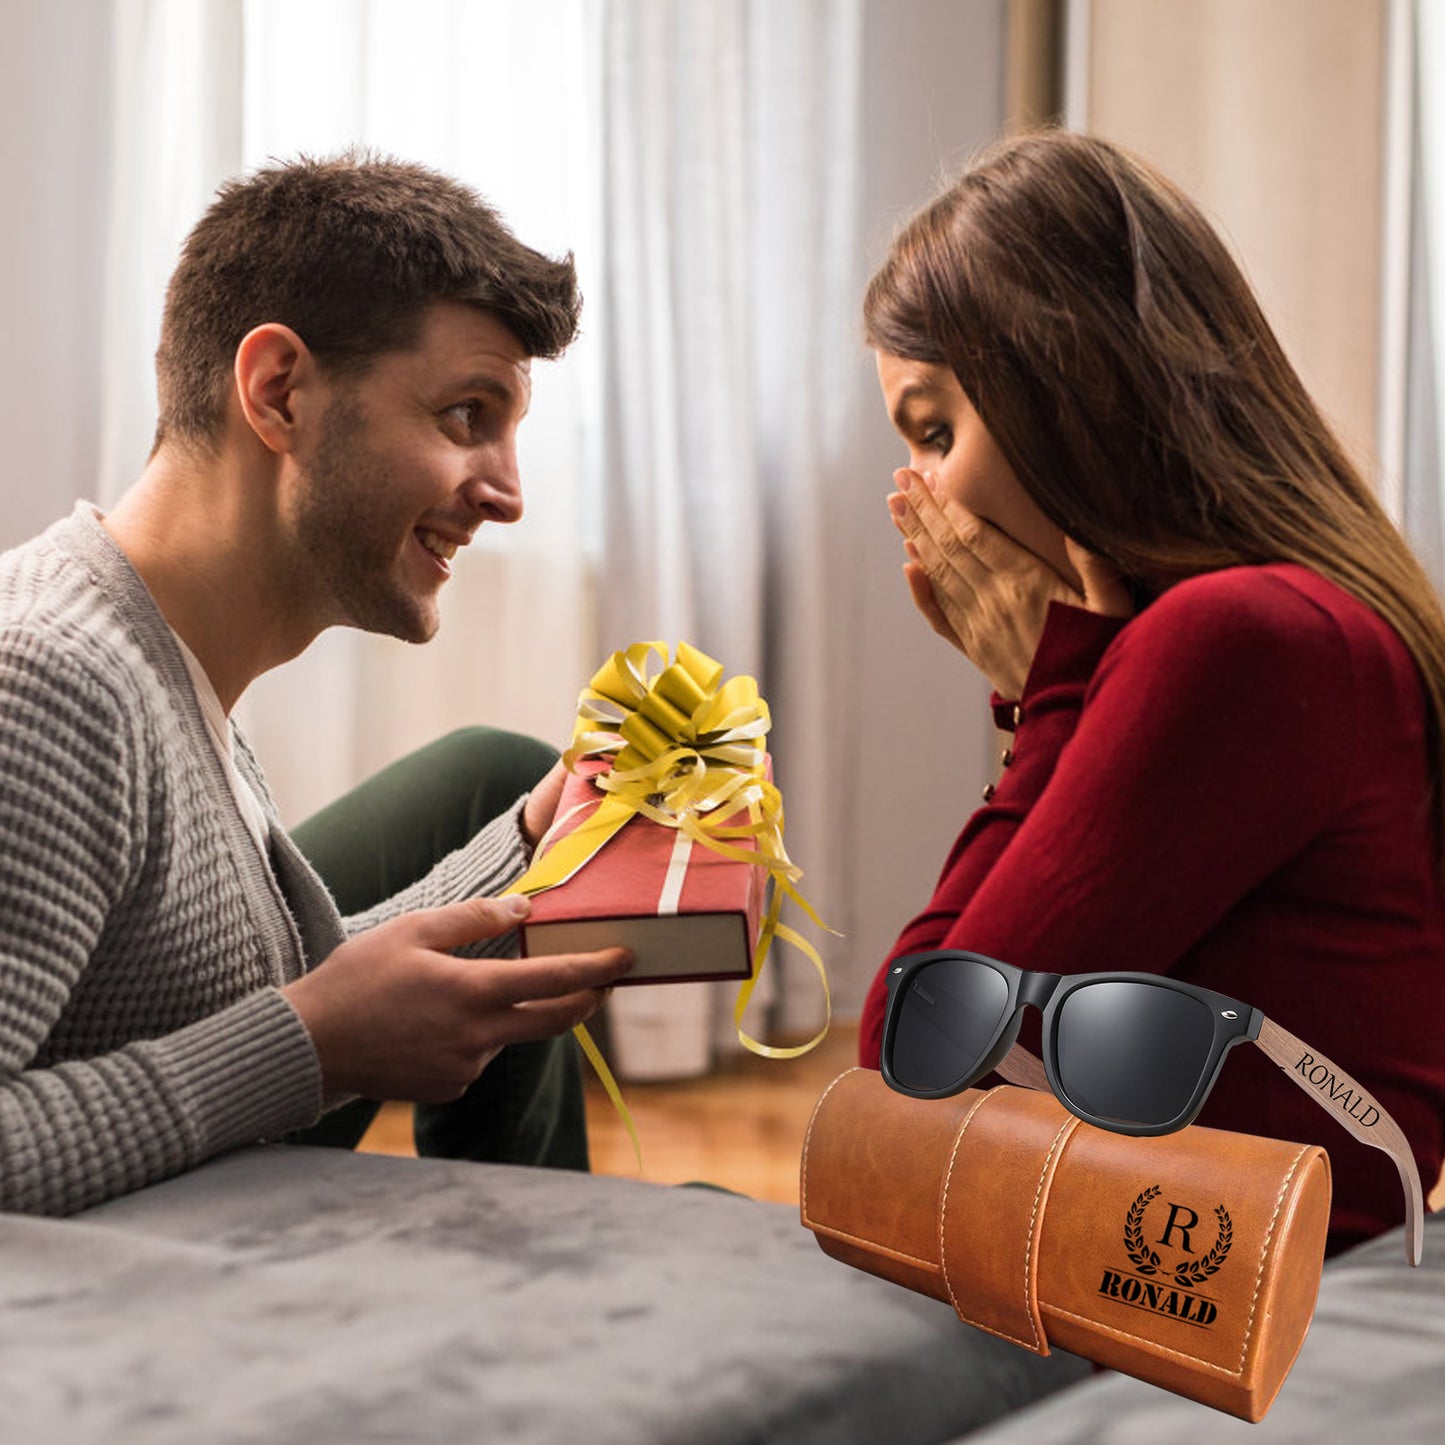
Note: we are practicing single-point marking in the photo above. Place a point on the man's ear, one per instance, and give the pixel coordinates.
(273, 368)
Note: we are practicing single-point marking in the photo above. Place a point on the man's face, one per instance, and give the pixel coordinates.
(407, 462)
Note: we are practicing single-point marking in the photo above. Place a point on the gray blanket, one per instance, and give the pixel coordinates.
(301, 1295)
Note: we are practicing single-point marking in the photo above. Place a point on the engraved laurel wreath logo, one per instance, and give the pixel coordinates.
(1145, 1260)
(1189, 1273)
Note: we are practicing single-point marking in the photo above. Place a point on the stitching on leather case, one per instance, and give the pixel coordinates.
(1152, 1346)
(873, 1244)
(1264, 1253)
(1065, 1129)
(943, 1219)
(808, 1139)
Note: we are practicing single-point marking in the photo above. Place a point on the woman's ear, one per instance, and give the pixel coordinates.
(272, 365)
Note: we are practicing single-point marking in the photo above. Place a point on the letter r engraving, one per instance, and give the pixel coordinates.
(1181, 1224)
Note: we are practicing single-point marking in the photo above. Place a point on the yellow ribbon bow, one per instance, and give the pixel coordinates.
(686, 751)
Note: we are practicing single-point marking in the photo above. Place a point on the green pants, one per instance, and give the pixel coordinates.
(527, 1106)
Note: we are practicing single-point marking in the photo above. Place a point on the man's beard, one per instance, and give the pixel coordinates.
(350, 536)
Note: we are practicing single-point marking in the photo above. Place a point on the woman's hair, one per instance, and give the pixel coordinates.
(1116, 354)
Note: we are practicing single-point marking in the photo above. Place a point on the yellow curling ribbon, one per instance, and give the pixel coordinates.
(686, 751)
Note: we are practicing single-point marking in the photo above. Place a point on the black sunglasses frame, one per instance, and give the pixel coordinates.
(1234, 1023)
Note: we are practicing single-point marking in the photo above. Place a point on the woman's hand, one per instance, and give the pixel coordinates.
(984, 593)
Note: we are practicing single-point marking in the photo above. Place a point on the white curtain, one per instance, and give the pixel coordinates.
(701, 162)
(55, 108)
(123, 115)
(175, 135)
(1422, 489)
(729, 167)
(489, 91)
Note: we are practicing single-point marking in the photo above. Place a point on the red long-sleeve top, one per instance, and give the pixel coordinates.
(1231, 788)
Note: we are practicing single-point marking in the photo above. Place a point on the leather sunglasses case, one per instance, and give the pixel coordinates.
(1190, 1260)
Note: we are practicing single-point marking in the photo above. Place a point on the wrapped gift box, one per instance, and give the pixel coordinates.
(620, 897)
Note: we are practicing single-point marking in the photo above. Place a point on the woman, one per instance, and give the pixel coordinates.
(1223, 670)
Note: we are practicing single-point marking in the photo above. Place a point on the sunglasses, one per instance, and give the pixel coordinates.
(1134, 1053)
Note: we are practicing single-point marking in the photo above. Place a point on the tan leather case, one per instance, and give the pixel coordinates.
(1191, 1260)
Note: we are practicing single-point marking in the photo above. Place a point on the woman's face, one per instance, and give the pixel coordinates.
(946, 437)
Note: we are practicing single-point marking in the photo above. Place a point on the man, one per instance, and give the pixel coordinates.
(344, 362)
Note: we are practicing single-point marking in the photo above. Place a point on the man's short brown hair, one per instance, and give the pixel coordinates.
(350, 252)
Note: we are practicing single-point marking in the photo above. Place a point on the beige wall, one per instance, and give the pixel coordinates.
(1271, 114)
(915, 715)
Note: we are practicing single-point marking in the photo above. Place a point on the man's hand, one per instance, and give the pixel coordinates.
(983, 592)
(394, 1015)
(541, 805)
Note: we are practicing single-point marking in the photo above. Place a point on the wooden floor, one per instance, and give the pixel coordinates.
(741, 1127)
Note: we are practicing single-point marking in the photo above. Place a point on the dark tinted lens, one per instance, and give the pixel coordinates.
(1132, 1053)
(947, 1017)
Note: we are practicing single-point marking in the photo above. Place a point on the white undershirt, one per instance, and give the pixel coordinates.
(219, 727)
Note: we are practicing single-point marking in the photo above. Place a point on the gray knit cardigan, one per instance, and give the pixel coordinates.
(143, 939)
